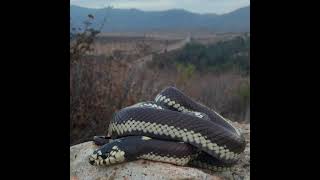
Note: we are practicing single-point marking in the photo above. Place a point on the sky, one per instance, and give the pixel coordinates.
(197, 6)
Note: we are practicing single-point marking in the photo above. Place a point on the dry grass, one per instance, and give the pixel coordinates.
(101, 85)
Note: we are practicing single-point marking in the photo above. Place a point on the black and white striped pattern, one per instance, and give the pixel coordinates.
(172, 116)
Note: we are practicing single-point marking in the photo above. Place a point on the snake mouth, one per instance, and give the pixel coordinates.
(93, 159)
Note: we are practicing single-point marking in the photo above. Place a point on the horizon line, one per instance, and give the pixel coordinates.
(161, 10)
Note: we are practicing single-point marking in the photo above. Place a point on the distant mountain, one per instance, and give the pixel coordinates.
(134, 20)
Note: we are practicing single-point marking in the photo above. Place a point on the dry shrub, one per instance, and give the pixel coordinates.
(99, 86)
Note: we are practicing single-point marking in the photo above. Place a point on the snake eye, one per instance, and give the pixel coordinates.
(91, 161)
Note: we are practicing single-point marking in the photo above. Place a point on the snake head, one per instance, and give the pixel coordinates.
(118, 150)
(108, 154)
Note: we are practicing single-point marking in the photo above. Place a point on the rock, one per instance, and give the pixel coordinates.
(80, 169)
(240, 171)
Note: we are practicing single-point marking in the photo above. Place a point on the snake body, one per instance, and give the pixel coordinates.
(173, 129)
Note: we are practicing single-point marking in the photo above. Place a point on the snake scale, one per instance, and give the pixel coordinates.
(173, 129)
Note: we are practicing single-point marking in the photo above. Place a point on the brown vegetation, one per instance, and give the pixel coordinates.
(101, 85)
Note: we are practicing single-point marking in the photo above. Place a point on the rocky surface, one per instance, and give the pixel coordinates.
(241, 170)
(80, 169)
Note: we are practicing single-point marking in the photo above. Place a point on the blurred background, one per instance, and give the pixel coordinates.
(126, 51)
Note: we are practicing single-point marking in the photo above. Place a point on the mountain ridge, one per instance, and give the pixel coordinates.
(131, 20)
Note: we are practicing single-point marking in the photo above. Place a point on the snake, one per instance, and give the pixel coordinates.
(173, 128)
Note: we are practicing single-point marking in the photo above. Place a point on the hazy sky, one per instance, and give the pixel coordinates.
(199, 6)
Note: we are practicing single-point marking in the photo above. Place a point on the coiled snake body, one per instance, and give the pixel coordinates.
(174, 129)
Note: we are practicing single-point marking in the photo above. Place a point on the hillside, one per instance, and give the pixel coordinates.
(129, 20)
(233, 54)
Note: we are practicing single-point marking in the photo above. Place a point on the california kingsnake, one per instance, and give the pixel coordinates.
(174, 129)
